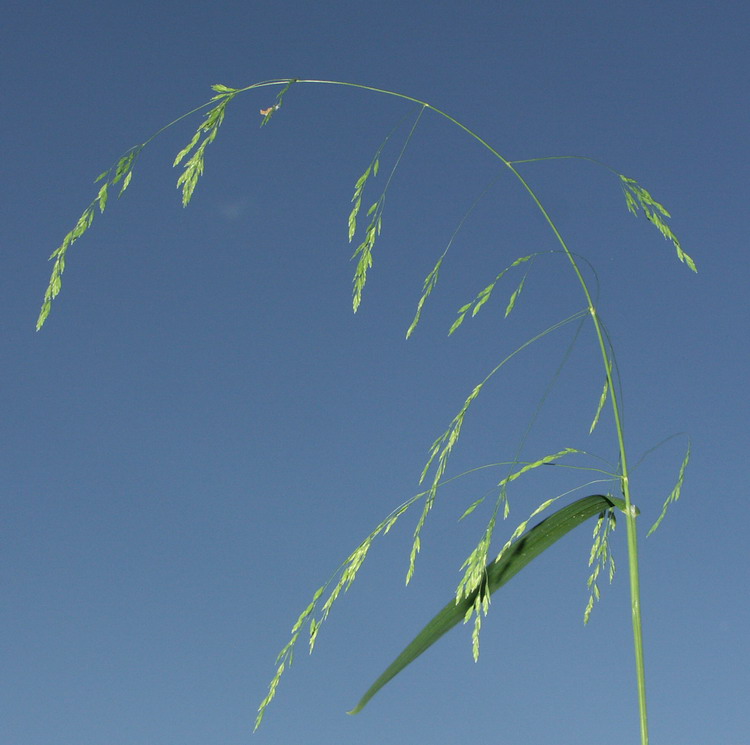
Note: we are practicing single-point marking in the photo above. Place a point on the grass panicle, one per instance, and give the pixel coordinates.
(339, 583)
(208, 128)
(674, 495)
(430, 281)
(484, 295)
(600, 557)
(480, 576)
(363, 252)
(637, 197)
(121, 171)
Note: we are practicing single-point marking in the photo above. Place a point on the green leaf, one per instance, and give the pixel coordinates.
(531, 545)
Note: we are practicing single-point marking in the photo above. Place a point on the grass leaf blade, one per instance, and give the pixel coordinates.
(531, 545)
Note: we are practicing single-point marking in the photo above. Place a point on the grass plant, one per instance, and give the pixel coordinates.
(484, 570)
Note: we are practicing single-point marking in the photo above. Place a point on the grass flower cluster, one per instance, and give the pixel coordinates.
(483, 573)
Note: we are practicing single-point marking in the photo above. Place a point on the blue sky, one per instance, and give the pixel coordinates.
(203, 430)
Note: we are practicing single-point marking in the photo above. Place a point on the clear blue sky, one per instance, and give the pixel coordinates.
(203, 430)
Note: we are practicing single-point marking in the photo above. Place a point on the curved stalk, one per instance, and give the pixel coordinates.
(122, 172)
(630, 511)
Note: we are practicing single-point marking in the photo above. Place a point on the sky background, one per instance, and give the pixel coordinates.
(203, 430)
